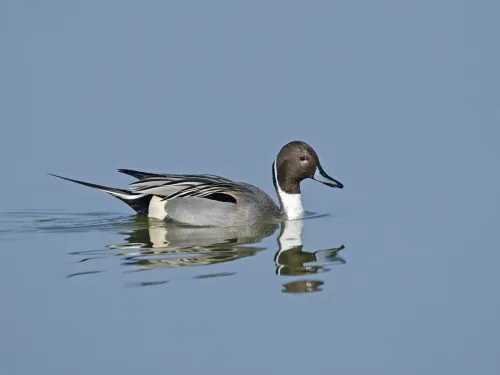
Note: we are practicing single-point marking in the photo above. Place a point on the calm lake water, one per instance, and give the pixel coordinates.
(396, 274)
(99, 292)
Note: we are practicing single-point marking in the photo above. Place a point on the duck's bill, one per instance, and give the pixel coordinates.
(321, 176)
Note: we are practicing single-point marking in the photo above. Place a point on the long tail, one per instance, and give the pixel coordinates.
(120, 193)
(138, 202)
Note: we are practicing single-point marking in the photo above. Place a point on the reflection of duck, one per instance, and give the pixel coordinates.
(157, 234)
(303, 286)
(178, 246)
(291, 260)
(153, 244)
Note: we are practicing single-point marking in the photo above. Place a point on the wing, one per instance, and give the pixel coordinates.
(209, 190)
(170, 186)
(203, 199)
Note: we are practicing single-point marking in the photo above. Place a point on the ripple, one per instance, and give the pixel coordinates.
(154, 245)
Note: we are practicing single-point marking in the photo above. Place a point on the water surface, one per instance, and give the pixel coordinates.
(150, 244)
(123, 289)
(397, 275)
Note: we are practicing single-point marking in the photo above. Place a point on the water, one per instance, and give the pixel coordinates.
(150, 244)
(108, 284)
(93, 292)
(397, 273)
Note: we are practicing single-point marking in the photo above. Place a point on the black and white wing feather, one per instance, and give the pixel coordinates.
(171, 186)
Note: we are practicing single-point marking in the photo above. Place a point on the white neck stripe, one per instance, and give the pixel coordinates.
(291, 204)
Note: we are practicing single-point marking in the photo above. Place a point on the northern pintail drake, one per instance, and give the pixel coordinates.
(209, 200)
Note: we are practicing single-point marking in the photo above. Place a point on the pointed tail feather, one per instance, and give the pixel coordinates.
(138, 202)
(119, 193)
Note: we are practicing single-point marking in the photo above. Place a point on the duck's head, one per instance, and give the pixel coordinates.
(295, 162)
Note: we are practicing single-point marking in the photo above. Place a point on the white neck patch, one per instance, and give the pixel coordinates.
(291, 203)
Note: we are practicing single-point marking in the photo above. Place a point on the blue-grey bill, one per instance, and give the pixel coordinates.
(321, 176)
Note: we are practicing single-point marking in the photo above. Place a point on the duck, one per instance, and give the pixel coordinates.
(212, 201)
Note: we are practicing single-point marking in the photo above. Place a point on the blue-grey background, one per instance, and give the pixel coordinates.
(401, 102)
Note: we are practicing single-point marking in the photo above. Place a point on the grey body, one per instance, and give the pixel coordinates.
(189, 199)
(253, 205)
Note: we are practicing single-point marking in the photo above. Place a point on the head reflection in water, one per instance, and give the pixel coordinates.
(153, 244)
(291, 260)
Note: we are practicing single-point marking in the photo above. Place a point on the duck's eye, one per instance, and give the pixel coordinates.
(302, 158)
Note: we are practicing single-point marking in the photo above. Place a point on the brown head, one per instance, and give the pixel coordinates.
(295, 162)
